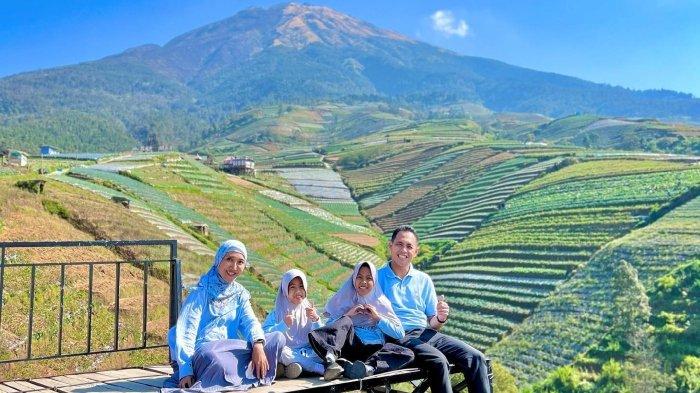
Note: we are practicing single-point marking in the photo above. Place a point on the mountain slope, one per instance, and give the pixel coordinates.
(294, 53)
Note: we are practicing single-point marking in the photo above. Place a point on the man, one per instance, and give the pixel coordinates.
(415, 302)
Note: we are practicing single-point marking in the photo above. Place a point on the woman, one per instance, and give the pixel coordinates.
(204, 346)
(359, 318)
(294, 316)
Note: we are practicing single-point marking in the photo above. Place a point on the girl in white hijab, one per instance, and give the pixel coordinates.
(295, 316)
(360, 318)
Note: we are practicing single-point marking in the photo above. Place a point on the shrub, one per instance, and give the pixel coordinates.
(567, 379)
(131, 175)
(503, 381)
(687, 375)
(611, 378)
(56, 208)
(35, 186)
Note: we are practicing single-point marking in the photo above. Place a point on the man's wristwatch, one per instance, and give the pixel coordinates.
(260, 340)
(439, 321)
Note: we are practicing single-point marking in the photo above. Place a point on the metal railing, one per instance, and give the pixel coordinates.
(175, 291)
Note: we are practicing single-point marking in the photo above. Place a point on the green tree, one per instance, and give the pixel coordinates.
(611, 378)
(687, 375)
(567, 379)
(631, 304)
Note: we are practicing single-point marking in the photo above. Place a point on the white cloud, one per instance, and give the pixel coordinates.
(444, 22)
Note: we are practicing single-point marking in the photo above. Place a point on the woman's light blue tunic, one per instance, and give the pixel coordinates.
(197, 326)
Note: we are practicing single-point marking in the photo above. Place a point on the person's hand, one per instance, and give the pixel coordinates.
(311, 313)
(289, 320)
(260, 365)
(372, 312)
(185, 382)
(358, 309)
(443, 309)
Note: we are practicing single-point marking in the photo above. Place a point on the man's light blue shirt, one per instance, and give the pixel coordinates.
(413, 297)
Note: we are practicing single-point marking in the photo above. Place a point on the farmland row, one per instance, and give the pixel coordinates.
(374, 177)
(463, 163)
(408, 179)
(478, 161)
(604, 168)
(466, 194)
(579, 313)
(473, 211)
(537, 241)
(313, 210)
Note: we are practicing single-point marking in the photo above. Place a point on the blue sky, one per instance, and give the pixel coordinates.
(637, 44)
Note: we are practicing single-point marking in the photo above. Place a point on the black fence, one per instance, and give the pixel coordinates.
(175, 290)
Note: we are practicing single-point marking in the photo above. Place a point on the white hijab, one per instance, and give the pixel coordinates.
(347, 297)
(298, 334)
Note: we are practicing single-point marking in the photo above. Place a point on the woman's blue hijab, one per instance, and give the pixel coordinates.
(222, 295)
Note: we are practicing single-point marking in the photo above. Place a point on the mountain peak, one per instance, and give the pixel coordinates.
(302, 25)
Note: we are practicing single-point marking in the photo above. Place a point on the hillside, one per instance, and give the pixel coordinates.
(536, 248)
(618, 133)
(183, 91)
(68, 213)
(586, 309)
(523, 241)
(188, 192)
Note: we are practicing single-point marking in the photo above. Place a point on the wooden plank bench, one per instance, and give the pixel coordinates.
(150, 379)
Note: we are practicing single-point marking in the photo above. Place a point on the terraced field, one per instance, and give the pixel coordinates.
(580, 312)
(341, 208)
(440, 130)
(379, 174)
(499, 273)
(160, 201)
(199, 175)
(603, 168)
(144, 210)
(408, 179)
(457, 164)
(443, 184)
(279, 249)
(426, 224)
(320, 184)
(319, 233)
(313, 210)
(472, 204)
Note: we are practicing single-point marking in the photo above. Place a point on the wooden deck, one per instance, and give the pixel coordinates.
(147, 379)
(150, 379)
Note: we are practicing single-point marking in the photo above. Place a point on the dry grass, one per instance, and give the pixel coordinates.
(25, 219)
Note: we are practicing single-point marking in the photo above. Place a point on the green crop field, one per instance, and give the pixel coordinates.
(441, 185)
(574, 317)
(535, 247)
(540, 237)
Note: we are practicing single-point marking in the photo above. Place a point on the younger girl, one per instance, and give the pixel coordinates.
(359, 318)
(295, 317)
